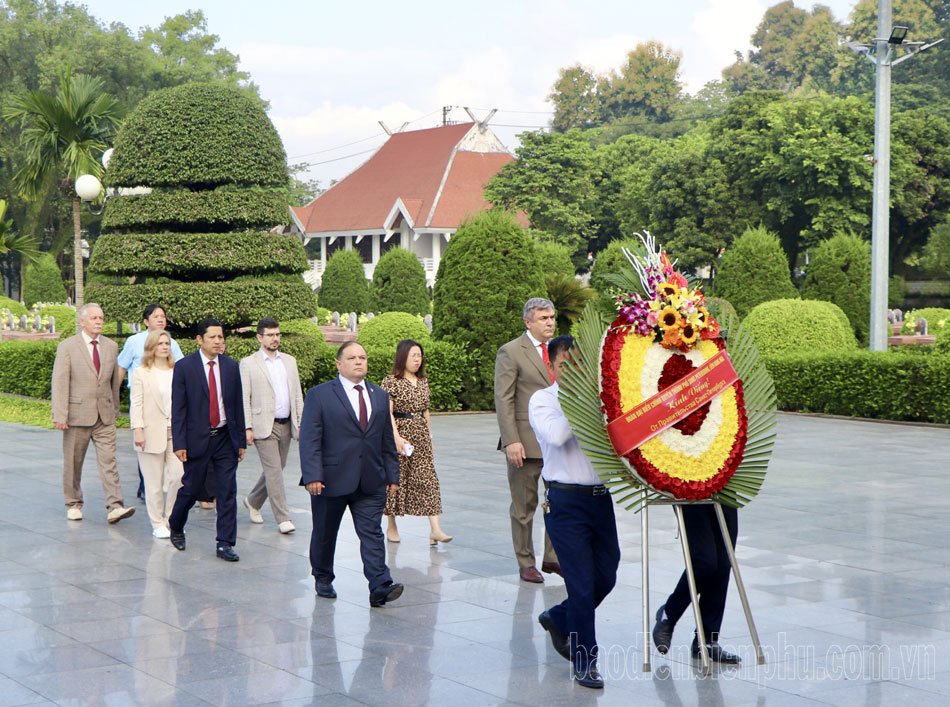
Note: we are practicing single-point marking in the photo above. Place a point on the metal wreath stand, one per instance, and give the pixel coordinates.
(691, 580)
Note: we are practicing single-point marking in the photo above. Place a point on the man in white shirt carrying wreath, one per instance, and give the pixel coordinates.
(579, 518)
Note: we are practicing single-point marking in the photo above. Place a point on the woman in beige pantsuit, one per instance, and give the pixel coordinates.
(150, 412)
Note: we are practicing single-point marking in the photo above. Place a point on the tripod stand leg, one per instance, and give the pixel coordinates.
(691, 579)
(645, 560)
(759, 655)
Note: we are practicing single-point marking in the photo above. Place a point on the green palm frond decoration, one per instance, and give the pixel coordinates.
(580, 400)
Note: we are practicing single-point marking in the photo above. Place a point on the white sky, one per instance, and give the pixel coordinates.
(331, 70)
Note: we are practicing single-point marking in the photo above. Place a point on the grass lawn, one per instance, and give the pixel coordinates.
(29, 411)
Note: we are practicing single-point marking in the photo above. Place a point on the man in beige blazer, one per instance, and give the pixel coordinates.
(85, 391)
(273, 404)
(521, 370)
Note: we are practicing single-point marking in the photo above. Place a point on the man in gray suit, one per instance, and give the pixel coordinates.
(521, 369)
(273, 403)
(85, 391)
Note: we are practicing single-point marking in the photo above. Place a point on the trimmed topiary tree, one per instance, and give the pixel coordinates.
(754, 269)
(344, 287)
(16, 309)
(487, 273)
(399, 283)
(197, 242)
(840, 271)
(389, 328)
(43, 281)
(609, 260)
(790, 325)
(554, 258)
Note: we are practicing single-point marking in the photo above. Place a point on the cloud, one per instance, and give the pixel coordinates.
(724, 27)
(606, 54)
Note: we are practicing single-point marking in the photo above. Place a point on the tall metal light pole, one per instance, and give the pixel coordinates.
(881, 52)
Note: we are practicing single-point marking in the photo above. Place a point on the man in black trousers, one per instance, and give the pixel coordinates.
(348, 460)
(711, 567)
(208, 433)
(579, 518)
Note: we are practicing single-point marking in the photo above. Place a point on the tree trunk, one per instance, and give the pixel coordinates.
(77, 252)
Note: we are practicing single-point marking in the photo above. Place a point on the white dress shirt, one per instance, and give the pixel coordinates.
(351, 394)
(89, 347)
(537, 344)
(217, 383)
(278, 381)
(564, 461)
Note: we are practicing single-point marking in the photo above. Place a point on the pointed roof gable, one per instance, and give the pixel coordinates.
(434, 177)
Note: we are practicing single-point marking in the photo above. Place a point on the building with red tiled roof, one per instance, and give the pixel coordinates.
(415, 191)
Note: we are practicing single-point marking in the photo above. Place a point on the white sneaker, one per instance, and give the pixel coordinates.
(286, 527)
(161, 532)
(254, 513)
(118, 513)
(74, 514)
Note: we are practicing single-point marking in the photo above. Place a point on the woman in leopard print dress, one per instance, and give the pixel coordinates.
(418, 492)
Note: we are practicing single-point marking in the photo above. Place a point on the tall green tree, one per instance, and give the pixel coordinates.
(575, 99)
(64, 136)
(647, 85)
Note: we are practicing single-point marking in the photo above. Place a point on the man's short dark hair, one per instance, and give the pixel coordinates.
(204, 325)
(344, 346)
(150, 310)
(267, 323)
(559, 344)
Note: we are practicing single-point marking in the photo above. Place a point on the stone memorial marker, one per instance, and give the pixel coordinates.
(336, 319)
(369, 316)
(352, 321)
(427, 319)
(52, 324)
(23, 323)
(920, 327)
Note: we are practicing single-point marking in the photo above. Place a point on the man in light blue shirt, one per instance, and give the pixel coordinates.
(579, 518)
(131, 355)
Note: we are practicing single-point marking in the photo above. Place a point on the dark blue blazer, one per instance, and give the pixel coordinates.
(335, 450)
(191, 404)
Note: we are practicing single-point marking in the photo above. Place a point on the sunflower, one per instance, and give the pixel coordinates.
(669, 318)
(688, 334)
(667, 289)
(703, 315)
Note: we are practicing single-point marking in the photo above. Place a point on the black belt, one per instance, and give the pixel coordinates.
(281, 420)
(598, 490)
(407, 415)
(217, 430)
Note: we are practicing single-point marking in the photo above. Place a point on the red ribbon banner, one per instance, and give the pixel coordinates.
(663, 410)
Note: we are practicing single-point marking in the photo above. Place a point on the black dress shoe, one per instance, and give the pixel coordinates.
(387, 592)
(662, 632)
(717, 654)
(178, 540)
(589, 678)
(226, 552)
(325, 589)
(561, 643)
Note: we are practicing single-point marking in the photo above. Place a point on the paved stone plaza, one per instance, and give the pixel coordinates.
(846, 557)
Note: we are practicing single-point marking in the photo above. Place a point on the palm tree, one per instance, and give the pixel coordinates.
(19, 243)
(64, 136)
(569, 296)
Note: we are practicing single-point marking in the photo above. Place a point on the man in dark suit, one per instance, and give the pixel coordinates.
(208, 433)
(348, 460)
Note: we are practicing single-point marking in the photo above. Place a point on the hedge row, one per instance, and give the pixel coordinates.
(26, 367)
(199, 255)
(199, 135)
(873, 384)
(205, 211)
(187, 303)
(447, 368)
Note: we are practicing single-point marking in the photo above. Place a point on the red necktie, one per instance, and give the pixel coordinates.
(214, 416)
(547, 360)
(95, 354)
(359, 389)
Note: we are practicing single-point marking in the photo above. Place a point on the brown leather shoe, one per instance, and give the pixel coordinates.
(531, 574)
(551, 568)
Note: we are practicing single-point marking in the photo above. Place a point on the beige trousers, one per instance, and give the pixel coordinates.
(75, 443)
(272, 451)
(162, 474)
(523, 483)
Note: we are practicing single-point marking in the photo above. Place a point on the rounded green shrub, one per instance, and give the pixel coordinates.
(389, 328)
(754, 269)
(554, 258)
(198, 135)
(447, 369)
(43, 281)
(719, 307)
(201, 211)
(201, 255)
(840, 272)
(488, 271)
(942, 339)
(344, 287)
(609, 261)
(16, 309)
(933, 315)
(306, 327)
(399, 283)
(790, 325)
